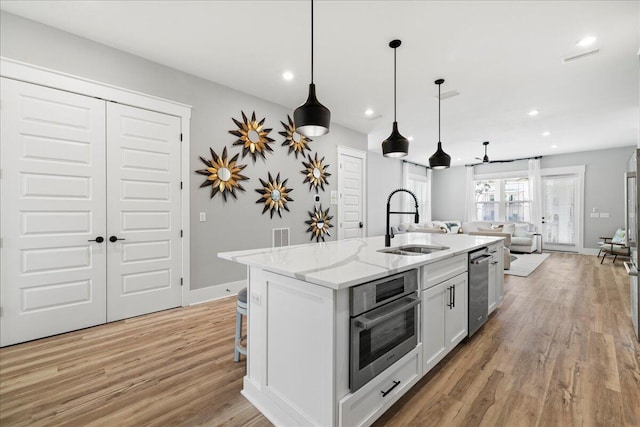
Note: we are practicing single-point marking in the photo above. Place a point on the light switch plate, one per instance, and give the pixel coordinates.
(604, 214)
(595, 215)
(203, 216)
(256, 298)
(334, 197)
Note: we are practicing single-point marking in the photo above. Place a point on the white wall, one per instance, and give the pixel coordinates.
(604, 187)
(237, 224)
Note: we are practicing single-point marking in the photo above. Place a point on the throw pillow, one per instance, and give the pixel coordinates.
(619, 237)
(521, 230)
(497, 226)
(509, 228)
(493, 230)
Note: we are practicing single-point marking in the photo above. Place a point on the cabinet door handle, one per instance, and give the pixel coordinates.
(98, 239)
(453, 292)
(114, 239)
(395, 384)
(450, 303)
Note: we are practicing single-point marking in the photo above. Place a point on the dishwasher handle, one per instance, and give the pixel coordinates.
(481, 259)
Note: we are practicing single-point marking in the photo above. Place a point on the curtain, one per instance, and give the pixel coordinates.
(535, 193)
(470, 212)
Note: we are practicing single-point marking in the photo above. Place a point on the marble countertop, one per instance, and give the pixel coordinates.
(342, 264)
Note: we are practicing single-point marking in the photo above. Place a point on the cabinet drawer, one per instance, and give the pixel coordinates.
(439, 271)
(367, 404)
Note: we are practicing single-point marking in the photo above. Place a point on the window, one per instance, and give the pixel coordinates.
(503, 199)
(417, 180)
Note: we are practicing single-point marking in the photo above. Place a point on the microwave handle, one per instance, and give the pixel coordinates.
(365, 323)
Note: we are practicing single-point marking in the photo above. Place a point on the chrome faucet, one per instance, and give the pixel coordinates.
(389, 233)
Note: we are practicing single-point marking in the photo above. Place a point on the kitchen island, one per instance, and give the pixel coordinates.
(298, 357)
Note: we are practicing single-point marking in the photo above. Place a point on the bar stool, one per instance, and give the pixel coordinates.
(241, 310)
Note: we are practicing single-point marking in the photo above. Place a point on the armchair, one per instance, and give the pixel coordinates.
(614, 246)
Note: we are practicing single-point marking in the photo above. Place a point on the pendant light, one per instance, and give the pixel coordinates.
(395, 145)
(312, 118)
(440, 159)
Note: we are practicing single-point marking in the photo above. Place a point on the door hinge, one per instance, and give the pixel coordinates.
(180, 233)
(180, 137)
(181, 185)
(181, 281)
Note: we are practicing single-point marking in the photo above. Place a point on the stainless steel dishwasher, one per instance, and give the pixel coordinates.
(478, 288)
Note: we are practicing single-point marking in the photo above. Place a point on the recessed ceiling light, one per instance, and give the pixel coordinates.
(287, 75)
(554, 146)
(586, 41)
(533, 113)
(369, 112)
(546, 133)
(410, 138)
(459, 158)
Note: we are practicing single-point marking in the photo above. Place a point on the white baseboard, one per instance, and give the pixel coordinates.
(589, 251)
(210, 293)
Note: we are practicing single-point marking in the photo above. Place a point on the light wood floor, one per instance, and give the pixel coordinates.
(559, 351)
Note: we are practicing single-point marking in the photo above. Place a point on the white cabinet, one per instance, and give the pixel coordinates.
(496, 276)
(444, 318)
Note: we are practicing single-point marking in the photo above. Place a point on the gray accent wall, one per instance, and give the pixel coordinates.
(603, 187)
(383, 176)
(236, 224)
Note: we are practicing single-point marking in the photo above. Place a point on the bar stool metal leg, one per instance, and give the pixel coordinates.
(241, 311)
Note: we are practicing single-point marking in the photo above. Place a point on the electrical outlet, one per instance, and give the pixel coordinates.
(203, 216)
(256, 298)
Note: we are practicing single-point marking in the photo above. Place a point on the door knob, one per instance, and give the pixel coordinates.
(98, 239)
(361, 224)
(114, 239)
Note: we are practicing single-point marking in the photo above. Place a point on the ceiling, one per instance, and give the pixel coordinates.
(503, 57)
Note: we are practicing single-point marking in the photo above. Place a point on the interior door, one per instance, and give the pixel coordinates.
(53, 206)
(351, 221)
(143, 212)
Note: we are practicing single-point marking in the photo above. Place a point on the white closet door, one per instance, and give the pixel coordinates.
(53, 203)
(143, 209)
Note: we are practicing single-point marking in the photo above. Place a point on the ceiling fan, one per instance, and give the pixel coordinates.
(485, 159)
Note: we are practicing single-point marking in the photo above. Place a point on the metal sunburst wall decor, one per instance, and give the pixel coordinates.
(315, 173)
(319, 224)
(252, 136)
(275, 195)
(296, 142)
(223, 175)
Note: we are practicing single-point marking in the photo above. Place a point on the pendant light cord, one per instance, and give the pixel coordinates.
(394, 84)
(312, 41)
(439, 112)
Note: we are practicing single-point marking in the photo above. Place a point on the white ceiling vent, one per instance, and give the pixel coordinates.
(580, 55)
(448, 94)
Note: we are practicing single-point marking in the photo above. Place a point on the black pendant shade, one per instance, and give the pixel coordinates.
(440, 159)
(395, 145)
(312, 119)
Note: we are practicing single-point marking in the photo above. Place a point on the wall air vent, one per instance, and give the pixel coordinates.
(580, 55)
(448, 94)
(279, 237)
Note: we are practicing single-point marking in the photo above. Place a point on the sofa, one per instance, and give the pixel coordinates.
(522, 233)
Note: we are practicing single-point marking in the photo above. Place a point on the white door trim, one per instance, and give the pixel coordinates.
(342, 150)
(58, 80)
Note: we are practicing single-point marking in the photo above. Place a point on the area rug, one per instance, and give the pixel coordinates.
(525, 264)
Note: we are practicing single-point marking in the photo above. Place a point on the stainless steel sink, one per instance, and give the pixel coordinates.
(413, 249)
